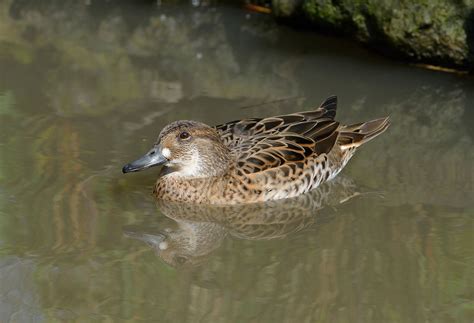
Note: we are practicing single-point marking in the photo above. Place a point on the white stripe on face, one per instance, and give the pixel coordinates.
(166, 152)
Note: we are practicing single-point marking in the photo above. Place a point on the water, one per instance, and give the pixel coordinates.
(86, 87)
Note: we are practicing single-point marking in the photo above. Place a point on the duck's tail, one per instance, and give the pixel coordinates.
(358, 134)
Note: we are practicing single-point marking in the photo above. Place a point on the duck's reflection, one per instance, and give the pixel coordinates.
(201, 229)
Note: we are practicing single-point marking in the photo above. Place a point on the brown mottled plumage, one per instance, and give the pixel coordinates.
(254, 160)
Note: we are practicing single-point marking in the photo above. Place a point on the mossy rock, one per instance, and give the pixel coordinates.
(439, 32)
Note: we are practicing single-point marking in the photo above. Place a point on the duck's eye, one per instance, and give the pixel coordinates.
(184, 135)
(180, 260)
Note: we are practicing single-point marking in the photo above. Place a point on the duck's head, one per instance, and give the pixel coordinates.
(187, 149)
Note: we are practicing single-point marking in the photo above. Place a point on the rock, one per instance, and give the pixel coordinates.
(438, 32)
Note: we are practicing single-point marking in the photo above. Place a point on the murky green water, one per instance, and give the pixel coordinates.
(86, 88)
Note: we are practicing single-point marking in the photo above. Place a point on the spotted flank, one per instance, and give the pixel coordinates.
(254, 160)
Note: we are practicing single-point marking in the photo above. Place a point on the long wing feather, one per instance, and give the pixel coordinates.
(235, 132)
(263, 144)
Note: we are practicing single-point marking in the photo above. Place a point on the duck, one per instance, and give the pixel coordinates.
(256, 159)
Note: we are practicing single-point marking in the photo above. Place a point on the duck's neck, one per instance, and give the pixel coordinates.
(203, 177)
(214, 163)
(183, 189)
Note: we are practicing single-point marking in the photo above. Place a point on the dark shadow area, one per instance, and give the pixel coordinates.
(469, 28)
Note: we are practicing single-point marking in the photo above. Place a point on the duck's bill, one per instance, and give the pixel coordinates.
(152, 158)
(153, 240)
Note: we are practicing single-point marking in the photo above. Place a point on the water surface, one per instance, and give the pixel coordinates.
(86, 87)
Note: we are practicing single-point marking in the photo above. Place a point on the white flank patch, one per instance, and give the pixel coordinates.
(348, 146)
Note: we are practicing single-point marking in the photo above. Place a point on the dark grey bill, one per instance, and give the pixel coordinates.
(152, 158)
(153, 240)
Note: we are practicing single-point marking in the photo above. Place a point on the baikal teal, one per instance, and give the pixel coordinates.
(254, 160)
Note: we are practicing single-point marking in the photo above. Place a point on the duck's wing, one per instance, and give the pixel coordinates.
(238, 134)
(287, 149)
(285, 142)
